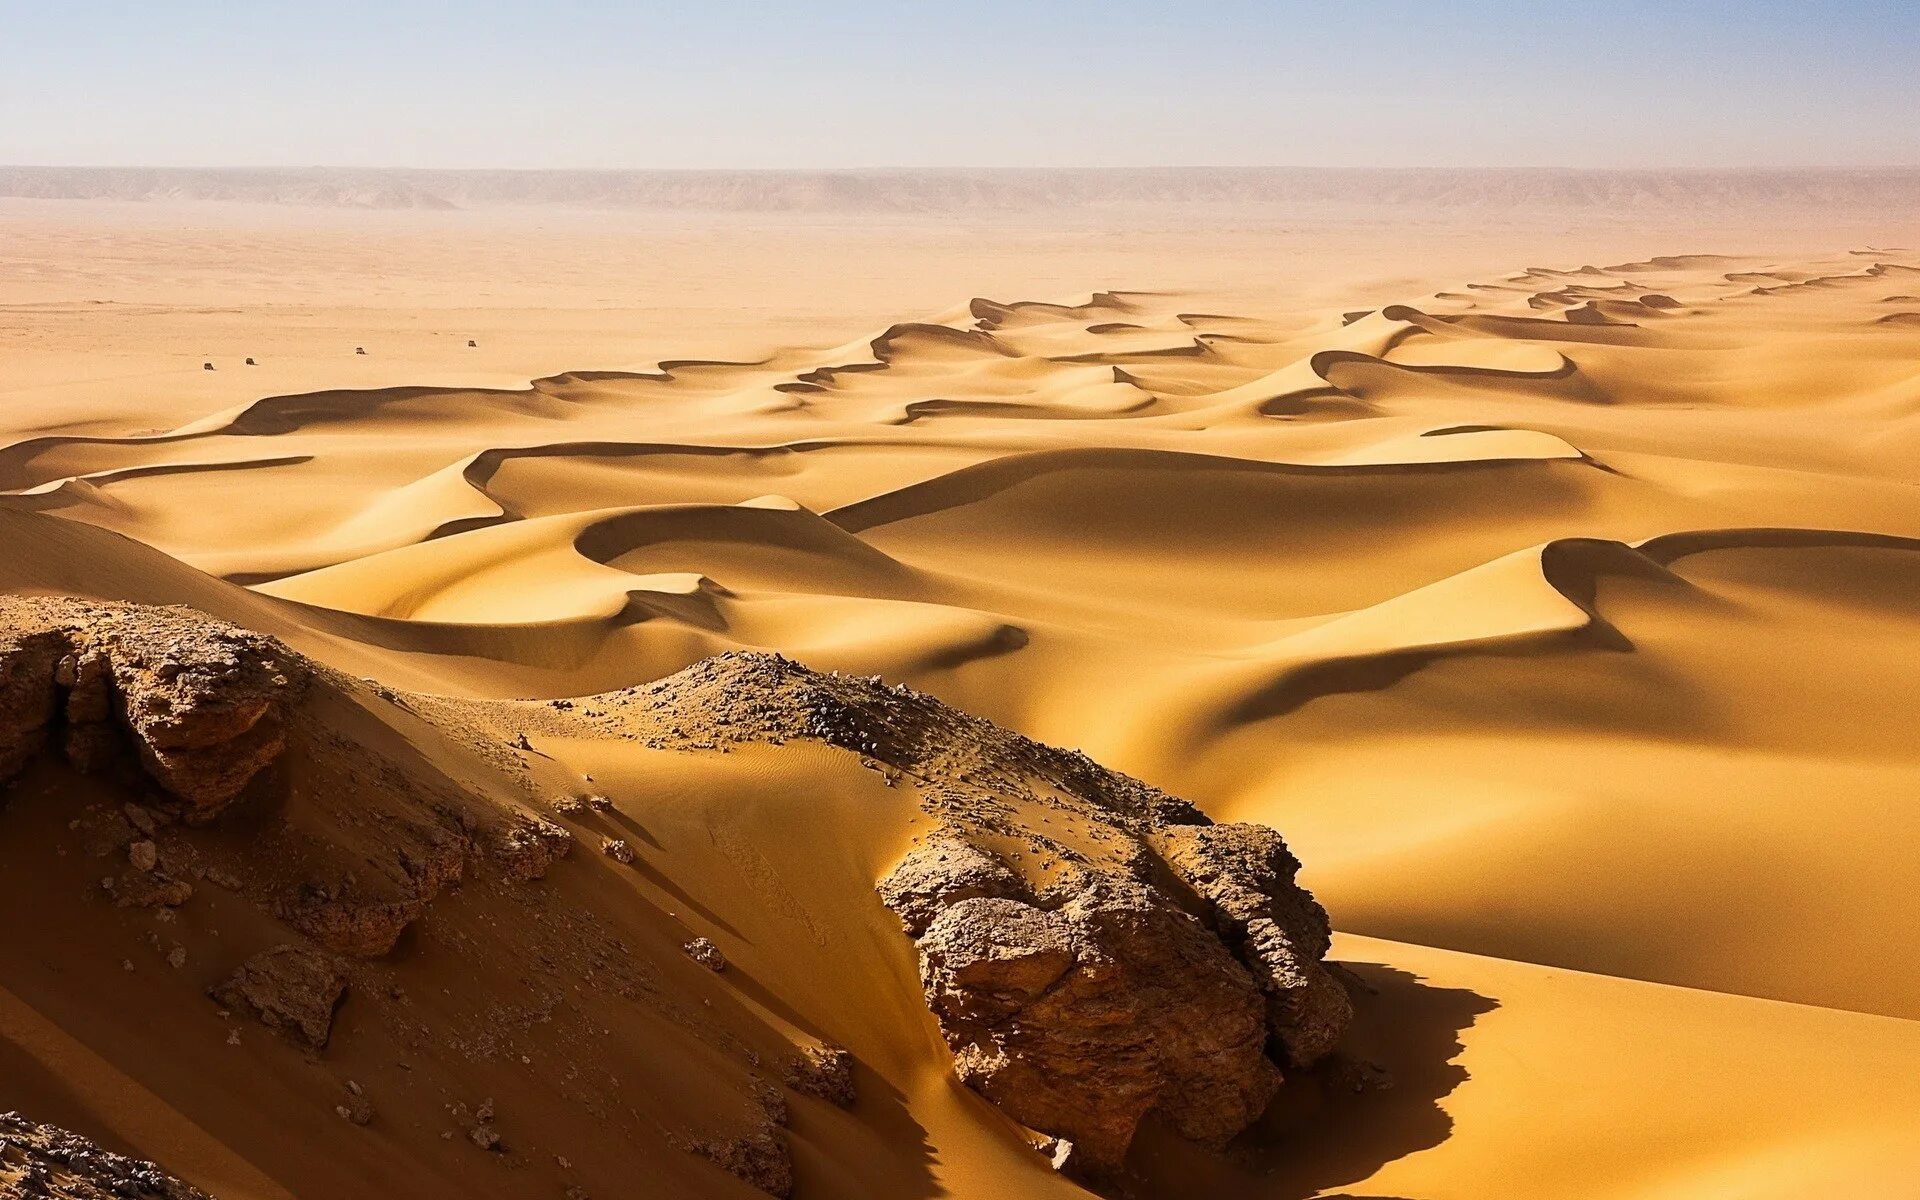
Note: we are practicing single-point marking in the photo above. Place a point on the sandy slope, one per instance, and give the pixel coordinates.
(1563, 618)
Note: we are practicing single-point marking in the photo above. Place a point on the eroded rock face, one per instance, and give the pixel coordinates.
(1246, 874)
(1080, 1020)
(39, 1160)
(942, 871)
(29, 659)
(824, 1072)
(200, 706)
(289, 988)
(1178, 978)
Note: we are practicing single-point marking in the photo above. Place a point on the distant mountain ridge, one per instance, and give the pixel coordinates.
(1007, 189)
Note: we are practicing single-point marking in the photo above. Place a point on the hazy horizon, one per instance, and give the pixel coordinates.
(506, 85)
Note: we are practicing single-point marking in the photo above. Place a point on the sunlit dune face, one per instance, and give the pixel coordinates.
(1561, 617)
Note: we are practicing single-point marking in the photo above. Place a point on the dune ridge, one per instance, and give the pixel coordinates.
(1562, 619)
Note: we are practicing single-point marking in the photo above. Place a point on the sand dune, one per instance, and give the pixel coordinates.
(1563, 619)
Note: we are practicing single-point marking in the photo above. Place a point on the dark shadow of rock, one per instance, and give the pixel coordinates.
(1335, 1127)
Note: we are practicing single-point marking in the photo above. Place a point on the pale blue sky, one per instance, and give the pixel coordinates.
(718, 83)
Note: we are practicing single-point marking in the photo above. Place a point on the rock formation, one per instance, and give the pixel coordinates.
(289, 988)
(1078, 1021)
(39, 1160)
(825, 1073)
(1093, 948)
(201, 707)
(1245, 873)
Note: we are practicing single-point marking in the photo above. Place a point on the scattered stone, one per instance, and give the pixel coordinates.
(290, 988)
(824, 1072)
(144, 856)
(177, 957)
(531, 845)
(570, 806)
(616, 849)
(150, 889)
(704, 952)
(223, 879)
(599, 803)
(357, 1110)
(141, 819)
(760, 1159)
(485, 1137)
(1058, 1152)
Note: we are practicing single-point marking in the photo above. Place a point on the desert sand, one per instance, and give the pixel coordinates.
(1545, 571)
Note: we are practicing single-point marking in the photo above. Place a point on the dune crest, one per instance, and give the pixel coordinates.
(694, 765)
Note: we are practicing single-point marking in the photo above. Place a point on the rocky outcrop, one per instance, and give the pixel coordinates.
(825, 1073)
(1245, 874)
(1093, 948)
(1177, 976)
(1078, 1021)
(29, 659)
(760, 1160)
(199, 706)
(289, 988)
(941, 872)
(39, 1160)
(530, 845)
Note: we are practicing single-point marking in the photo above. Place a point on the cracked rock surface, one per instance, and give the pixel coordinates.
(199, 706)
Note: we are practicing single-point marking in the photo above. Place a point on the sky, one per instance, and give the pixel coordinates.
(860, 83)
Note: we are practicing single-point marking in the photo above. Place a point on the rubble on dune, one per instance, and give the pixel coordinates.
(1093, 948)
(38, 1160)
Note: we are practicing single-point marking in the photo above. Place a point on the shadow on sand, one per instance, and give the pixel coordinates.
(1336, 1126)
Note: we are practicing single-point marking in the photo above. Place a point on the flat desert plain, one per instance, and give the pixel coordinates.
(1547, 574)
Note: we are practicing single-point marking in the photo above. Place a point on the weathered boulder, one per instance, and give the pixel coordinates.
(290, 988)
(703, 951)
(345, 925)
(1081, 1020)
(201, 706)
(530, 845)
